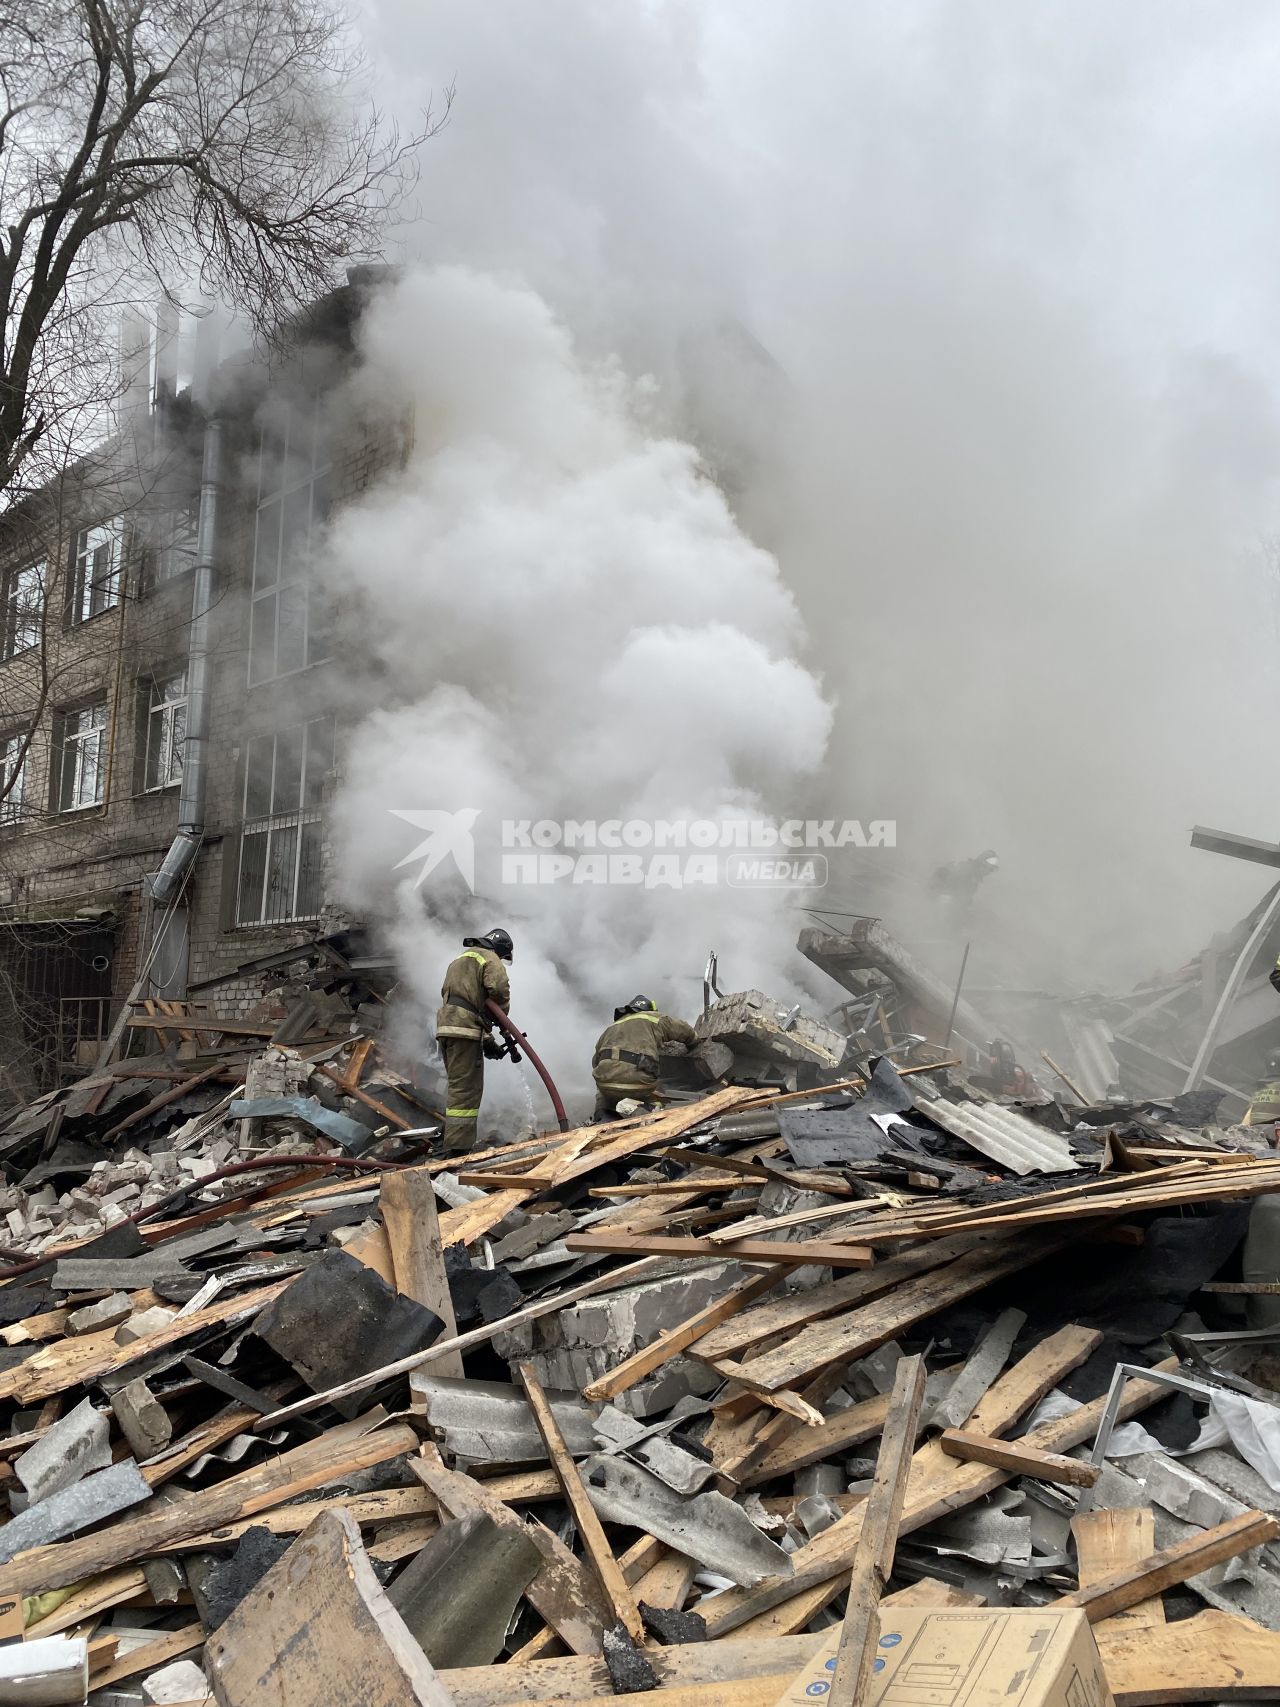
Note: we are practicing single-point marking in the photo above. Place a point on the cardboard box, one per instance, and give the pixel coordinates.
(984, 1657)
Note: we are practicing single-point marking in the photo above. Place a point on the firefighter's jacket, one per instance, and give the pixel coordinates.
(475, 977)
(626, 1053)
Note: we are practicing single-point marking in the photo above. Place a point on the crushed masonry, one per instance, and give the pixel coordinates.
(552, 1421)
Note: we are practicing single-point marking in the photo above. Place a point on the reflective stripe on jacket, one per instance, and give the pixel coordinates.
(626, 1053)
(475, 977)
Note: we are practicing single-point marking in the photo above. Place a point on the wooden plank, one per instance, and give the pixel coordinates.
(89, 1601)
(317, 1629)
(667, 1583)
(878, 1537)
(835, 1434)
(799, 1253)
(750, 1225)
(150, 1655)
(1108, 1541)
(1214, 1656)
(410, 1217)
(938, 1485)
(732, 1662)
(1019, 1460)
(671, 1341)
(253, 1490)
(858, 1331)
(590, 1529)
(76, 1362)
(564, 1592)
(49, 1326)
(798, 1309)
(1172, 1565)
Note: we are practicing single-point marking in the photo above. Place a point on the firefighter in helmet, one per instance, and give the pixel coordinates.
(464, 1030)
(626, 1060)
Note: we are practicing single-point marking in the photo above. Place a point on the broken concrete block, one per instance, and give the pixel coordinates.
(74, 1508)
(457, 1596)
(143, 1420)
(339, 1319)
(182, 1681)
(538, 1230)
(584, 1341)
(756, 1028)
(145, 1322)
(79, 1443)
(108, 1312)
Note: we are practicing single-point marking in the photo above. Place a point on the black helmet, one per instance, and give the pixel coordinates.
(637, 1005)
(498, 940)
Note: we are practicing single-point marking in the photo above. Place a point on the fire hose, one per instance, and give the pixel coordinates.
(516, 1041)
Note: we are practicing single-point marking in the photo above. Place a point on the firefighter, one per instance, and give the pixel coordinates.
(1264, 1110)
(956, 885)
(625, 1063)
(464, 1028)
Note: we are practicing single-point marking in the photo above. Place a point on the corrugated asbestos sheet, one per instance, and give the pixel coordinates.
(1002, 1134)
(1096, 1070)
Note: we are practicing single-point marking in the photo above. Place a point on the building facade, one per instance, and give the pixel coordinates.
(97, 577)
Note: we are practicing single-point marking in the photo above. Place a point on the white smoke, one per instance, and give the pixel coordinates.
(566, 622)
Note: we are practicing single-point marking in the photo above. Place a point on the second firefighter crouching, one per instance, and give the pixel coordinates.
(463, 1025)
(626, 1063)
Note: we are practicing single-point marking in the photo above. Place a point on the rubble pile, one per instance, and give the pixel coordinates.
(862, 1389)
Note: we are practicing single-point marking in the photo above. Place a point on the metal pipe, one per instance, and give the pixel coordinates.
(519, 1038)
(955, 1000)
(195, 751)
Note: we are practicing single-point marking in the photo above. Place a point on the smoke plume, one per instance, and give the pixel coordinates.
(569, 625)
(969, 308)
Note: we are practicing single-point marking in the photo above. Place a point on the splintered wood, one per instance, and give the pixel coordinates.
(709, 1399)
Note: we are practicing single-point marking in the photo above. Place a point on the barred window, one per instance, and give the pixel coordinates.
(293, 502)
(280, 838)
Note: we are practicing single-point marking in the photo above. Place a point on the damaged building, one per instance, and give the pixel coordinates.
(168, 693)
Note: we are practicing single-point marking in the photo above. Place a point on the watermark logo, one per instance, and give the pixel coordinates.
(672, 853)
(449, 834)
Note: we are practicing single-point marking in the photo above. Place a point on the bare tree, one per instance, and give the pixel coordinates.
(148, 143)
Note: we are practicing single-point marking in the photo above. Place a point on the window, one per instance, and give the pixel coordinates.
(281, 835)
(14, 753)
(293, 501)
(98, 570)
(174, 550)
(23, 608)
(82, 768)
(166, 730)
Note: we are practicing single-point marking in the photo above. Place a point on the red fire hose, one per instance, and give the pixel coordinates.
(521, 1041)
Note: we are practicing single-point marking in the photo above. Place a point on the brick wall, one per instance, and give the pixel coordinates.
(98, 858)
